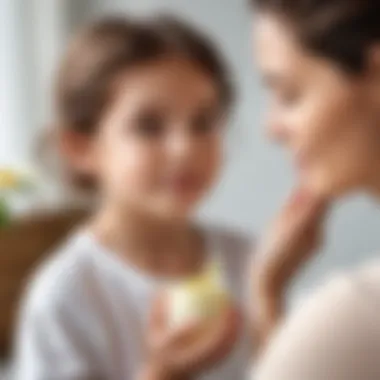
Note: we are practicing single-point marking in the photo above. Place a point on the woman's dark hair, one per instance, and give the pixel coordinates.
(340, 30)
(108, 47)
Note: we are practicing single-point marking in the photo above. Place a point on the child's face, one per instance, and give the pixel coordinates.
(158, 149)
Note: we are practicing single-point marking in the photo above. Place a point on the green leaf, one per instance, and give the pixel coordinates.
(5, 215)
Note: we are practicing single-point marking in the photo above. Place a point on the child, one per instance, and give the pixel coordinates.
(141, 111)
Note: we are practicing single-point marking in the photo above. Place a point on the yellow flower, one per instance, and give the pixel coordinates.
(9, 179)
(200, 297)
(16, 180)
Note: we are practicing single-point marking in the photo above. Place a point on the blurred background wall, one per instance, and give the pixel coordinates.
(257, 177)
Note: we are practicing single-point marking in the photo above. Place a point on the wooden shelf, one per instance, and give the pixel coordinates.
(23, 245)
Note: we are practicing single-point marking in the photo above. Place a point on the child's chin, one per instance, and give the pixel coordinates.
(177, 210)
(185, 204)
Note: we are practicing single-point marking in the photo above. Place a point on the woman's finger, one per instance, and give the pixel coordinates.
(302, 212)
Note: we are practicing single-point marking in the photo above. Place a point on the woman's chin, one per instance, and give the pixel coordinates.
(317, 184)
(331, 187)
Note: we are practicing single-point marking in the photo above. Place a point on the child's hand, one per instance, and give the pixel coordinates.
(191, 349)
(293, 238)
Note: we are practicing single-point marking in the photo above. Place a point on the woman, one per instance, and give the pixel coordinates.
(321, 62)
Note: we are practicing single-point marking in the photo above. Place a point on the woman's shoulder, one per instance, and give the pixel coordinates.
(322, 335)
(364, 282)
(359, 284)
(355, 289)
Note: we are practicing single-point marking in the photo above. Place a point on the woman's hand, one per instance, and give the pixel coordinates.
(183, 353)
(290, 242)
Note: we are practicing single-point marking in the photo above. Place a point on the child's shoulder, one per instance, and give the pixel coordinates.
(231, 239)
(58, 279)
(235, 250)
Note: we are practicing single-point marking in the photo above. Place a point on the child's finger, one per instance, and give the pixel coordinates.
(157, 324)
(175, 338)
(215, 343)
(167, 339)
(157, 315)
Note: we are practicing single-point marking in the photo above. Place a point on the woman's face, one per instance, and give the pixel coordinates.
(327, 119)
(159, 146)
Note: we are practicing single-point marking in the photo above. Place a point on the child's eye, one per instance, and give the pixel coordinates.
(204, 123)
(150, 125)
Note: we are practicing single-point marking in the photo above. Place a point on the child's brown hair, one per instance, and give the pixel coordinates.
(108, 47)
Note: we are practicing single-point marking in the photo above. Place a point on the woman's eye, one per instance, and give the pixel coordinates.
(289, 98)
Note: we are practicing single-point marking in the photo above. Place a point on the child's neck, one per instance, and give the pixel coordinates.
(160, 248)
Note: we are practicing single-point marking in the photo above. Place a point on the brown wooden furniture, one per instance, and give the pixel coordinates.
(23, 245)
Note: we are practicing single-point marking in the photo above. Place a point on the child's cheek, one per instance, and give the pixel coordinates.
(137, 170)
(213, 164)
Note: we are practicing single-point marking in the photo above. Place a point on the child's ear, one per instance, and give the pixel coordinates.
(78, 150)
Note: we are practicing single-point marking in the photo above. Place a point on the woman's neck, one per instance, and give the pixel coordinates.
(160, 247)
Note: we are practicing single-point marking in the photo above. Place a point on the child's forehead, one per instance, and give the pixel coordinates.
(164, 70)
(166, 80)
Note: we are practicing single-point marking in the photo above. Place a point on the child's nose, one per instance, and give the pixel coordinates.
(181, 145)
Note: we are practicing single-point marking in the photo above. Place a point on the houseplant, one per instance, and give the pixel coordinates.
(13, 183)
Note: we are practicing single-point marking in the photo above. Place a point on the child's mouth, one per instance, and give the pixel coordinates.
(185, 184)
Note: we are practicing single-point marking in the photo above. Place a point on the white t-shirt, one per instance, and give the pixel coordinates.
(85, 313)
(334, 335)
